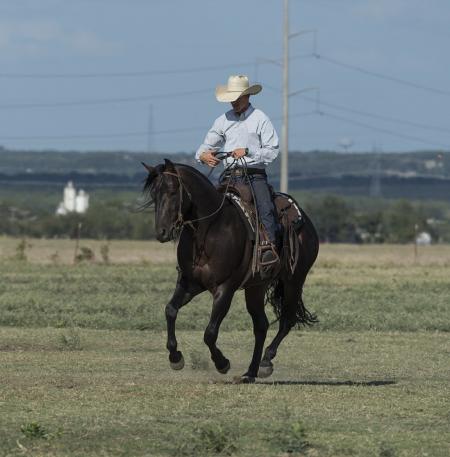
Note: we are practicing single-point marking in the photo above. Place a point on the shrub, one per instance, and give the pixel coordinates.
(86, 255)
(290, 437)
(70, 341)
(209, 439)
(104, 252)
(34, 430)
(21, 250)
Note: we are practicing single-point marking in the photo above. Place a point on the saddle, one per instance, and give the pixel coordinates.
(289, 216)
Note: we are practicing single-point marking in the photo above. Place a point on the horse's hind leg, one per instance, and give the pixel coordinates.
(183, 294)
(254, 298)
(288, 318)
(221, 305)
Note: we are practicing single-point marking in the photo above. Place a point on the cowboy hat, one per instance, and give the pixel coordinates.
(236, 87)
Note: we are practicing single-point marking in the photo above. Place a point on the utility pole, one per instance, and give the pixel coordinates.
(285, 127)
(284, 178)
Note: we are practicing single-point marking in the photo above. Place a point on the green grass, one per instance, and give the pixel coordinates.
(345, 296)
(78, 377)
(334, 394)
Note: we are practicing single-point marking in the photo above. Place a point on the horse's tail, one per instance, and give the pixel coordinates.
(295, 311)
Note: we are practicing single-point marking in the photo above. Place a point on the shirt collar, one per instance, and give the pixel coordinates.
(245, 114)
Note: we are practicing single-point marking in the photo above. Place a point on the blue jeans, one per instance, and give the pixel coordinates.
(264, 203)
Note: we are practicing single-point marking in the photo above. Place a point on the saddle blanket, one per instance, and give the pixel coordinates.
(289, 216)
(288, 211)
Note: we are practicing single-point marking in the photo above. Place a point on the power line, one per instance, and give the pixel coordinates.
(367, 114)
(382, 75)
(333, 4)
(137, 74)
(309, 113)
(198, 128)
(384, 130)
(140, 133)
(102, 101)
(379, 116)
(122, 74)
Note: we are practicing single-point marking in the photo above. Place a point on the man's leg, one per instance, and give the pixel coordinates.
(265, 206)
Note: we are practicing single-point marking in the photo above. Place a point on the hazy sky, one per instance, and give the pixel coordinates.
(159, 40)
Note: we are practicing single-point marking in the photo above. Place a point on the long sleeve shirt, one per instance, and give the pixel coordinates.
(251, 129)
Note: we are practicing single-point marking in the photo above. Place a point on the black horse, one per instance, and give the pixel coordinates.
(215, 255)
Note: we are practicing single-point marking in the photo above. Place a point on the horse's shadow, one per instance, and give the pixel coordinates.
(374, 383)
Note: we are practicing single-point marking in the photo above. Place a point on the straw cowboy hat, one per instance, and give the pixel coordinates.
(236, 87)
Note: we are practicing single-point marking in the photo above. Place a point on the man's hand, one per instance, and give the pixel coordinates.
(208, 158)
(238, 153)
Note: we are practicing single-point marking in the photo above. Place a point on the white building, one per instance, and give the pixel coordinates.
(73, 202)
(423, 239)
(69, 197)
(81, 201)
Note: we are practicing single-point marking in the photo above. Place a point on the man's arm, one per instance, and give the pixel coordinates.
(269, 144)
(213, 141)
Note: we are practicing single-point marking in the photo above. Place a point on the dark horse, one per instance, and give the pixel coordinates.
(215, 254)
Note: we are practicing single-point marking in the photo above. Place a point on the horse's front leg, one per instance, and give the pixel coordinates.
(183, 294)
(221, 305)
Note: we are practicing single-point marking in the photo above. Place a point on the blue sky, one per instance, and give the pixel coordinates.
(403, 39)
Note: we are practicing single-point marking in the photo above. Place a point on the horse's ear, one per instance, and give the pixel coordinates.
(151, 170)
(169, 166)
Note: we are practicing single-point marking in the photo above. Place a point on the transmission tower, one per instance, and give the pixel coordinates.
(150, 129)
(375, 181)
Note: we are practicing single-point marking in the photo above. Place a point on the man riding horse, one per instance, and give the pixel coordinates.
(214, 252)
(249, 134)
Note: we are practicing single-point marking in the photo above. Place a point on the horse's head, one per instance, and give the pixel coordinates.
(167, 192)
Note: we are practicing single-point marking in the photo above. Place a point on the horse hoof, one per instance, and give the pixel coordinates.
(224, 370)
(265, 371)
(244, 379)
(179, 365)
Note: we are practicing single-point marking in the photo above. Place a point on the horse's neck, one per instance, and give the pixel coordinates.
(204, 197)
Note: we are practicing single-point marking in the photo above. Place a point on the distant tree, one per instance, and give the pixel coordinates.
(334, 220)
(399, 222)
(370, 226)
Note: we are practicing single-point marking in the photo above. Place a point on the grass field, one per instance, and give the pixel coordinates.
(84, 370)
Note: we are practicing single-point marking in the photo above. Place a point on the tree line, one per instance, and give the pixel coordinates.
(389, 222)
(337, 219)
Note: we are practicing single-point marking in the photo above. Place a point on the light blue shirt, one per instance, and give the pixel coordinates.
(252, 129)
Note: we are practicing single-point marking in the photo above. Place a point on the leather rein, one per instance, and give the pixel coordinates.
(181, 222)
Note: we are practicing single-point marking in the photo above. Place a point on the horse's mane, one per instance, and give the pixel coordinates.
(148, 187)
(195, 172)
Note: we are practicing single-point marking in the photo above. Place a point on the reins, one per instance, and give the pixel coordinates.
(243, 164)
(180, 222)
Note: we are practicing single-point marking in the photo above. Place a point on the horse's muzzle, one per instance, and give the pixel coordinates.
(164, 235)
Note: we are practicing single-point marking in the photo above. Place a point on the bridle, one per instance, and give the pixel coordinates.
(181, 222)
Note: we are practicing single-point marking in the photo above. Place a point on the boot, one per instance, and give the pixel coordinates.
(268, 260)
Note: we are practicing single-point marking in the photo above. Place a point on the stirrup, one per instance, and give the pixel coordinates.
(262, 249)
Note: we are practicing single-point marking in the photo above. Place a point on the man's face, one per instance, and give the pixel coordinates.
(241, 104)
